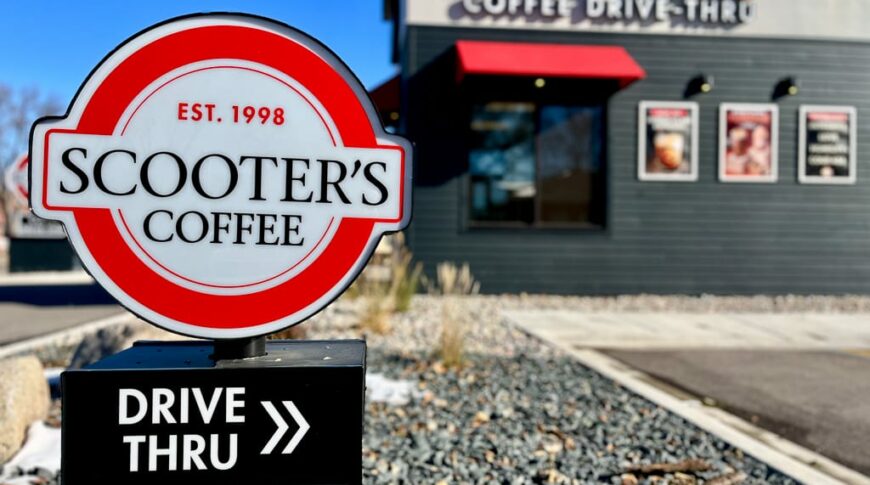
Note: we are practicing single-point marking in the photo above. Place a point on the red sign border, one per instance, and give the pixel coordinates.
(207, 311)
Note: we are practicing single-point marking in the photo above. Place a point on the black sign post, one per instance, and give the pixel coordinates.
(168, 413)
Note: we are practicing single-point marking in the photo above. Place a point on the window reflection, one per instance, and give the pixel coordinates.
(569, 155)
(536, 164)
(502, 164)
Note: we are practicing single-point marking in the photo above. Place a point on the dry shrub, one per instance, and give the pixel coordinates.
(453, 280)
(375, 316)
(451, 342)
(406, 281)
(353, 291)
(453, 284)
(387, 285)
(296, 332)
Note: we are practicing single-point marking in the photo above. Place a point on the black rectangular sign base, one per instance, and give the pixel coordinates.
(165, 413)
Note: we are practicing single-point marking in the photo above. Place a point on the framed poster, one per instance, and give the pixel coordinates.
(667, 141)
(827, 145)
(748, 142)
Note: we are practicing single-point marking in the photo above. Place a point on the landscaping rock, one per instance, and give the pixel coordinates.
(518, 411)
(111, 340)
(102, 344)
(24, 398)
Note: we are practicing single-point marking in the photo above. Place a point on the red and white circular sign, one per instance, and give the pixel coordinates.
(223, 176)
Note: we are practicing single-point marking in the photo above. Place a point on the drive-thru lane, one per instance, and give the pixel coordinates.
(820, 399)
(802, 376)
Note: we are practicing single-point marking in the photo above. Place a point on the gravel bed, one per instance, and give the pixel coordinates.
(35, 476)
(521, 412)
(518, 412)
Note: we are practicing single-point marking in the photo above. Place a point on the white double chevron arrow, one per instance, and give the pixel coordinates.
(283, 427)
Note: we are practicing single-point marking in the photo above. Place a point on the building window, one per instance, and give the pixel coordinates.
(537, 164)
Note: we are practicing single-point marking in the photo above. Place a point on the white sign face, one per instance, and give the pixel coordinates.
(248, 185)
(21, 223)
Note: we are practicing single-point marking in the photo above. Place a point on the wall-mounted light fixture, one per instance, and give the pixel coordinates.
(700, 84)
(540, 82)
(788, 86)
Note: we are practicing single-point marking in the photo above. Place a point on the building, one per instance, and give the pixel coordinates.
(638, 146)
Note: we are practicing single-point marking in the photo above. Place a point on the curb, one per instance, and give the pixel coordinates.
(63, 337)
(790, 458)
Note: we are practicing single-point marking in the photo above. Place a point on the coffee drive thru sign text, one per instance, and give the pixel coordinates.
(168, 414)
(222, 176)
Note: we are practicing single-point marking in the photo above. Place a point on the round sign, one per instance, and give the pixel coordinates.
(222, 176)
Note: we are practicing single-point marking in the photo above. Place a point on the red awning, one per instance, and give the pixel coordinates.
(547, 60)
(386, 96)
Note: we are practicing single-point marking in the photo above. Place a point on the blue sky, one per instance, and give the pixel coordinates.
(54, 44)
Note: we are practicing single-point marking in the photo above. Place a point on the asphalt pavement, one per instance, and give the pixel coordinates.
(20, 321)
(819, 399)
(804, 376)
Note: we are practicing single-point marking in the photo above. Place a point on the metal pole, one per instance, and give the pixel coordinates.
(243, 348)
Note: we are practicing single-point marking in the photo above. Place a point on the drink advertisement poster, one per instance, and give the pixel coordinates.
(827, 149)
(668, 141)
(748, 142)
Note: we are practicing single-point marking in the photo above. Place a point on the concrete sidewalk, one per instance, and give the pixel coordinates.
(657, 330)
(803, 376)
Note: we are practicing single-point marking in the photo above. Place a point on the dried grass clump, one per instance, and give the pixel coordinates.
(296, 332)
(405, 281)
(375, 317)
(353, 291)
(451, 342)
(453, 283)
(388, 285)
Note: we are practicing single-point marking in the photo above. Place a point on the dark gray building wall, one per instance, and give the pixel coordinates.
(701, 237)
